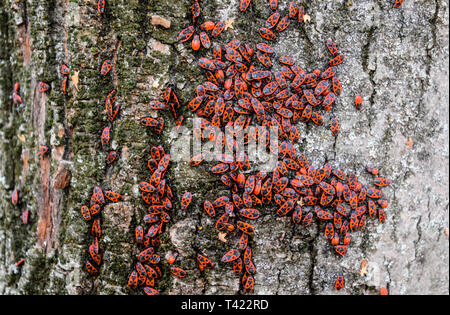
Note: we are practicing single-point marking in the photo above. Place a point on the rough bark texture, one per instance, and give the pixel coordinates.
(397, 59)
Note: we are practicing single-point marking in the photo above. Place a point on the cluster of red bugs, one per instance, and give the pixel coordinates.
(157, 194)
(239, 91)
(43, 151)
(64, 70)
(263, 92)
(202, 39)
(170, 102)
(99, 199)
(15, 201)
(276, 23)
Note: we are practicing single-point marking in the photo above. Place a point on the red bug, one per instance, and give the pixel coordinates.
(186, 200)
(337, 60)
(231, 255)
(332, 48)
(293, 9)
(43, 150)
(112, 112)
(64, 70)
(249, 213)
(398, 3)
(283, 24)
(328, 73)
(264, 59)
(381, 181)
(93, 252)
(15, 197)
(145, 254)
(106, 136)
(91, 268)
(341, 249)
(196, 43)
(358, 102)
(329, 231)
(113, 196)
(97, 196)
(340, 281)
(336, 84)
(218, 28)
(195, 10)
(172, 258)
(149, 122)
(96, 229)
(249, 284)
(384, 291)
(316, 118)
(95, 208)
(237, 266)
(176, 271)
(139, 233)
(245, 227)
(112, 155)
(372, 170)
(209, 208)
(273, 4)
(20, 262)
(383, 203)
(106, 67)
(101, 6)
(327, 188)
(250, 184)
(207, 26)
(272, 20)
(133, 280)
(267, 34)
(25, 216)
(207, 64)
(265, 48)
(204, 261)
(334, 127)
(244, 5)
(44, 87)
(328, 101)
(64, 84)
(301, 14)
(289, 61)
(297, 214)
(86, 213)
(17, 99)
(186, 34)
(204, 39)
(150, 291)
(286, 207)
(381, 216)
(374, 193)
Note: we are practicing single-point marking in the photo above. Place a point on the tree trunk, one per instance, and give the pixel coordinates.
(397, 59)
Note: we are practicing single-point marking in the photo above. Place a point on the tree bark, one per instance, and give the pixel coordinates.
(397, 59)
